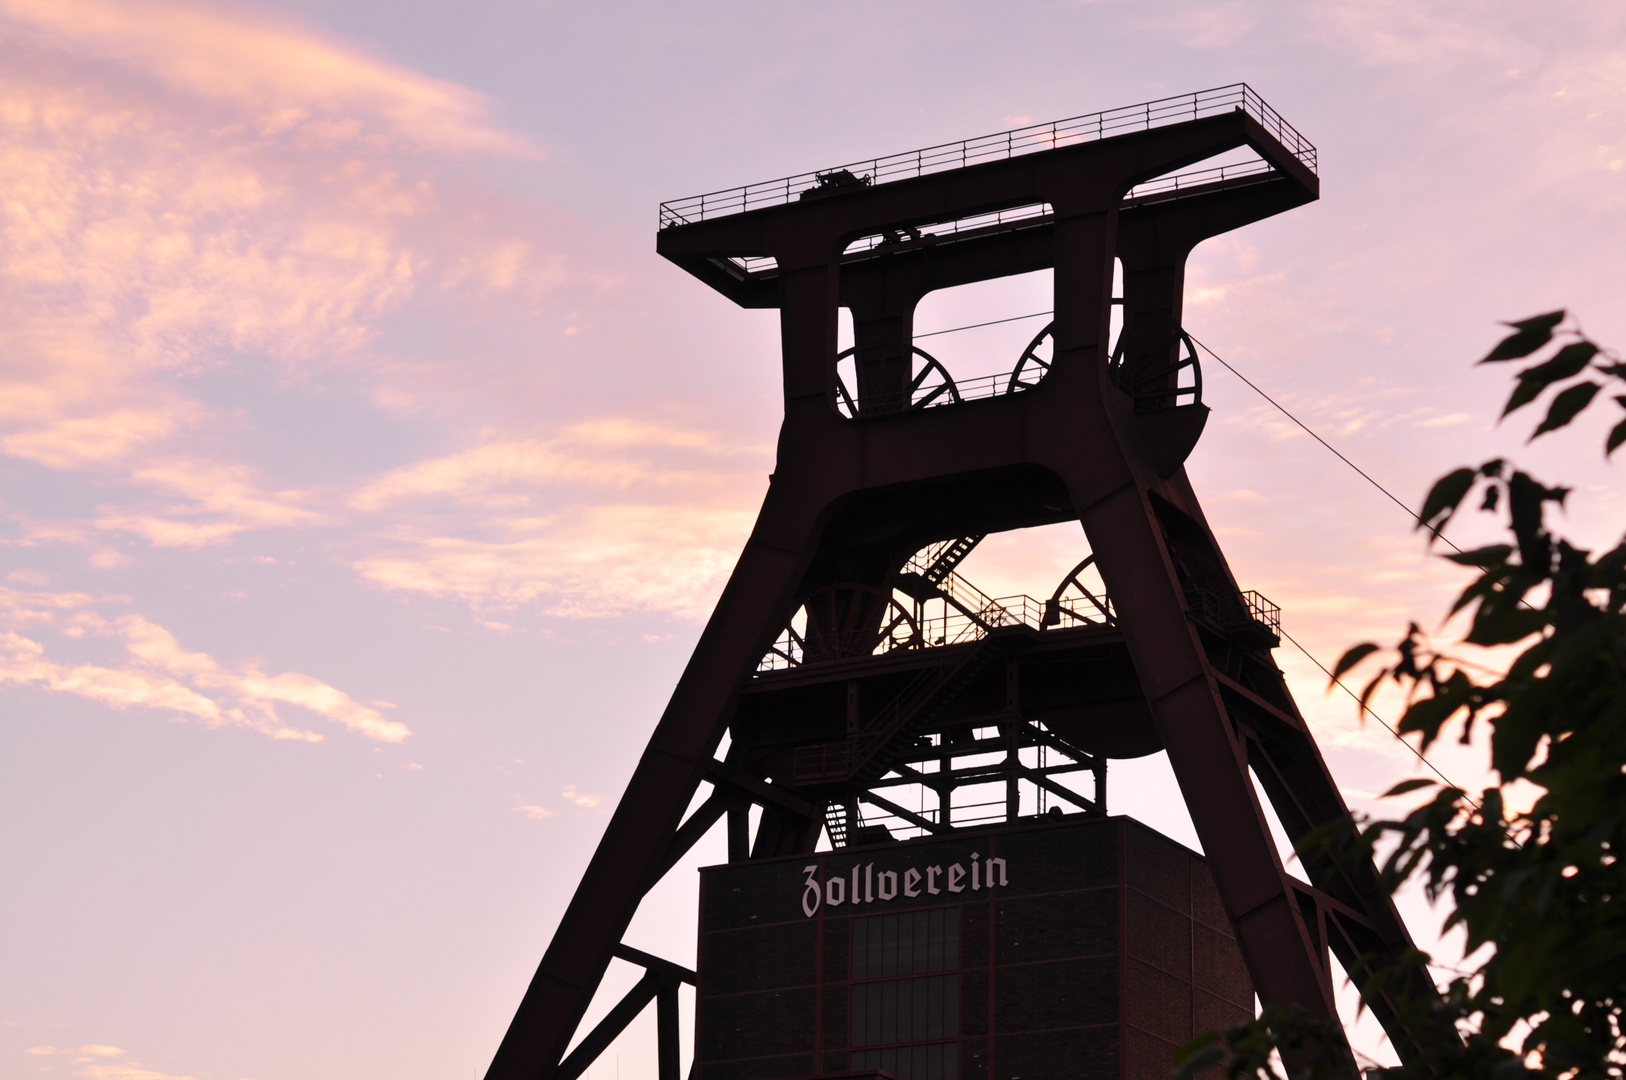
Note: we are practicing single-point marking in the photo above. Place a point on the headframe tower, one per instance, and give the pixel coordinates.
(823, 662)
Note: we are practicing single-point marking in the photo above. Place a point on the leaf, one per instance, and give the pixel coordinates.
(1566, 405)
(1370, 689)
(1539, 322)
(1407, 785)
(1199, 1055)
(1505, 627)
(1525, 499)
(1531, 334)
(1444, 498)
(1566, 363)
(1493, 555)
(1351, 658)
(1616, 437)
(1523, 394)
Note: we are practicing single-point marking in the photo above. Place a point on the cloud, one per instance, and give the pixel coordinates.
(96, 1062)
(571, 795)
(1216, 26)
(226, 498)
(535, 813)
(1448, 420)
(158, 673)
(610, 517)
(281, 76)
(123, 1071)
(1391, 32)
(590, 454)
(188, 187)
(580, 562)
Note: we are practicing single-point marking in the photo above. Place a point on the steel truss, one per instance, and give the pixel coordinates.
(859, 703)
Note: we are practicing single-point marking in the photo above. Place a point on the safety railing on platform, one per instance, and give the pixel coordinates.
(974, 224)
(790, 649)
(933, 394)
(1254, 615)
(965, 815)
(1091, 127)
(1174, 183)
(1263, 612)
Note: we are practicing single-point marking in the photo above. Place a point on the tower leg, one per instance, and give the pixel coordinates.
(1206, 751)
(633, 852)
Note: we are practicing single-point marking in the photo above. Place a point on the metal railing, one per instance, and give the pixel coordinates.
(934, 232)
(979, 387)
(953, 628)
(1263, 612)
(1158, 189)
(1254, 614)
(935, 395)
(1035, 138)
(1172, 185)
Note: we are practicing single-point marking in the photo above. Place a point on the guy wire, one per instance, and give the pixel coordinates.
(1363, 474)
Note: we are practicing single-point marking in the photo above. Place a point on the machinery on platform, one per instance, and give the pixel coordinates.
(996, 924)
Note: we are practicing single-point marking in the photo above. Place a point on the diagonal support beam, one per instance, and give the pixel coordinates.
(908, 815)
(719, 772)
(665, 968)
(659, 984)
(599, 1039)
(1089, 806)
(688, 835)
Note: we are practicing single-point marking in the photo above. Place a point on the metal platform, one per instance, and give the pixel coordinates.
(1001, 146)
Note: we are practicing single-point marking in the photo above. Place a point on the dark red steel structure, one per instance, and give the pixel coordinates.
(889, 471)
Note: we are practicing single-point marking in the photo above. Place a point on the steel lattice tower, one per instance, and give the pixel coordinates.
(822, 662)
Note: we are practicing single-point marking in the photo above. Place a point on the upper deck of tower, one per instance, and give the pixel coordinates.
(1276, 151)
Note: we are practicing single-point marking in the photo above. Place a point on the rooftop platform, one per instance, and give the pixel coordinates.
(1035, 138)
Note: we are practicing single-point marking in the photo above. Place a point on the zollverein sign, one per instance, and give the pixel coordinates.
(865, 886)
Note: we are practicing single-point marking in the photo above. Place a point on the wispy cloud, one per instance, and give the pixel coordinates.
(187, 187)
(582, 562)
(281, 76)
(156, 672)
(1390, 32)
(217, 502)
(571, 795)
(533, 811)
(99, 1063)
(611, 517)
(612, 453)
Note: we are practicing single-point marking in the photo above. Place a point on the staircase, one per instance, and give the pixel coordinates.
(947, 556)
(920, 702)
(835, 823)
(930, 576)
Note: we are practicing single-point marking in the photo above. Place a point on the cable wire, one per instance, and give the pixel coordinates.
(1334, 451)
(1418, 754)
(1364, 474)
(1255, 388)
(1409, 513)
(991, 322)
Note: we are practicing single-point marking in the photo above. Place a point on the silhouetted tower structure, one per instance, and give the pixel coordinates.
(847, 659)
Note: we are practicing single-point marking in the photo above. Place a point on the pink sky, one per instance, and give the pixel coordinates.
(368, 478)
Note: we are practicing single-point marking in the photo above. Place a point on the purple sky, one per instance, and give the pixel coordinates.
(368, 478)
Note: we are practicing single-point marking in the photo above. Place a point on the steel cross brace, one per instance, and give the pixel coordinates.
(660, 985)
(851, 500)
